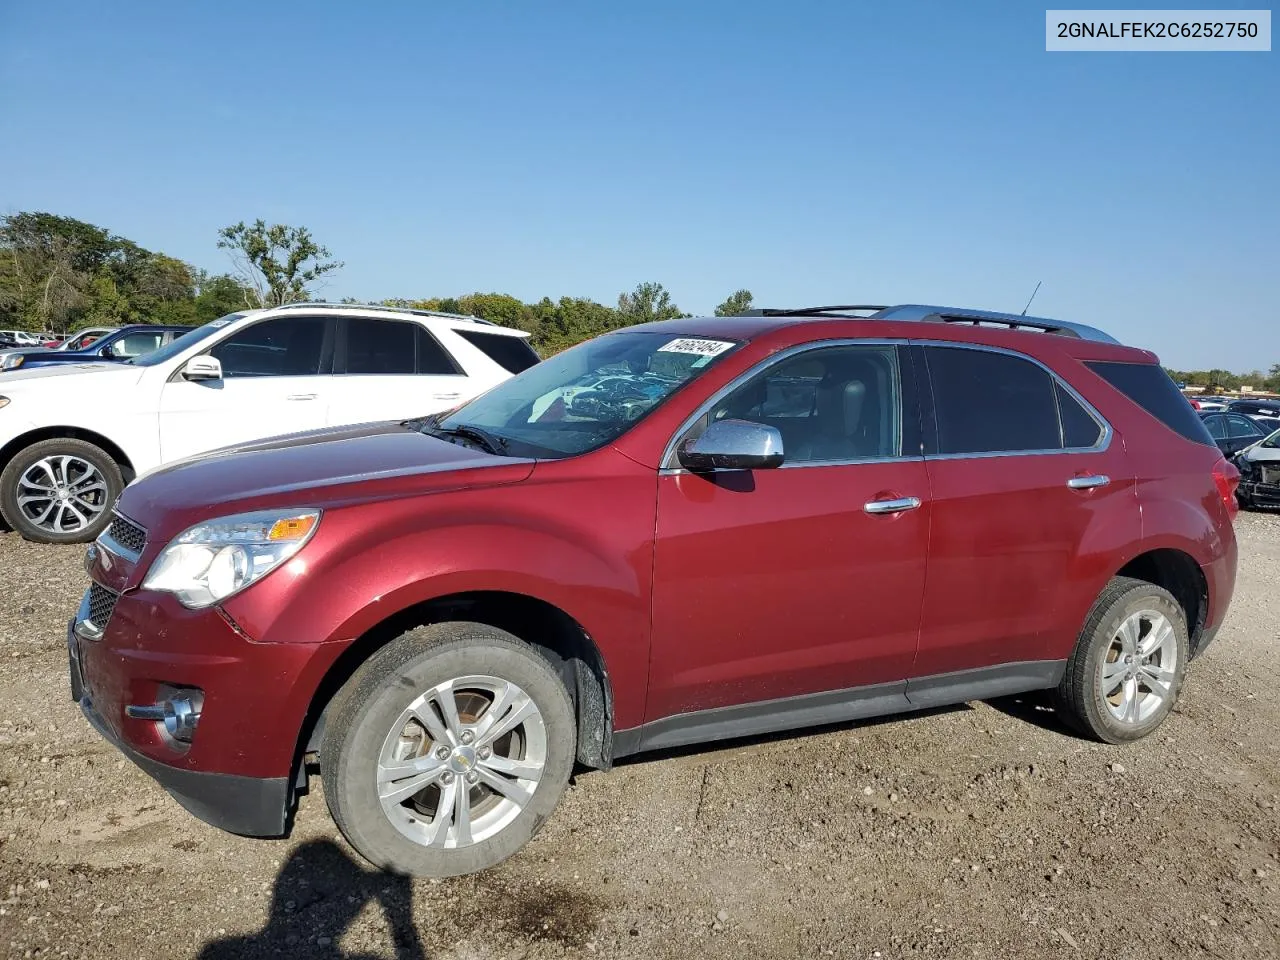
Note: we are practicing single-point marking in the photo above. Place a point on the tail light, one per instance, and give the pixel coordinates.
(1226, 478)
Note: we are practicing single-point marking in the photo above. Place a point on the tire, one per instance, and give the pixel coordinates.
(1094, 697)
(86, 473)
(369, 729)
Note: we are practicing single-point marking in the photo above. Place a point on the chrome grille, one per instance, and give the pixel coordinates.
(101, 602)
(128, 534)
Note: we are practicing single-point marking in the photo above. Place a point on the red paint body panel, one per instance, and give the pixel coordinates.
(1016, 558)
(697, 594)
(782, 585)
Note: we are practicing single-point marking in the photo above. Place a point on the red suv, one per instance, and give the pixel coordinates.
(674, 533)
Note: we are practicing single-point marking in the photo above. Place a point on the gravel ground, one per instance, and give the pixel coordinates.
(972, 832)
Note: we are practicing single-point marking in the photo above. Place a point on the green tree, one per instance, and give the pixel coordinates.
(498, 308)
(277, 262)
(648, 302)
(217, 296)
(736, 304)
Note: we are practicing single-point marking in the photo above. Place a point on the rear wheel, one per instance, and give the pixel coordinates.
(60, 491)
(445, 753)
(1126, 671)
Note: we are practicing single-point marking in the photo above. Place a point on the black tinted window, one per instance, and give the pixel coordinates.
(513, 354)
(433, 358)
(1147, 385)
(279, 347)
(991, 402)
(379, 346)
(829, 404)
(1079, 429)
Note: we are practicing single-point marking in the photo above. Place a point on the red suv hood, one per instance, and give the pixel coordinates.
(318, 468)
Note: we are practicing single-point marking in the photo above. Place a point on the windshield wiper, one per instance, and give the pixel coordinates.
(431, 425)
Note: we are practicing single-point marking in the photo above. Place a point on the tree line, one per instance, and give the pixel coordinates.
(59, 274)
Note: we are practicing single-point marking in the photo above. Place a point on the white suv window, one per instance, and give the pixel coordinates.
(290, 346)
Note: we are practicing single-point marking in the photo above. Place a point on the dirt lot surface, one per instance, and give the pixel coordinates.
(983, 831)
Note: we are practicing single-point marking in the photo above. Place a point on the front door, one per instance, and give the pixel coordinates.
(778, 583)
(275, 380)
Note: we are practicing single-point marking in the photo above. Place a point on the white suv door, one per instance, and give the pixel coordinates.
(392, 370)
(275, 380)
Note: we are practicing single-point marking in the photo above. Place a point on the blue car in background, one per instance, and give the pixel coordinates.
(119, 345)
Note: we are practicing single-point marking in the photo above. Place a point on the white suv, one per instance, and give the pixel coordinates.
(72, 435)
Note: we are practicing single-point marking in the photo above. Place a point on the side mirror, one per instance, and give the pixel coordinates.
(202, 368)
(732, 445)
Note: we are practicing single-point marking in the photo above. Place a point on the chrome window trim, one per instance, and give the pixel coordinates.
(1101, 446)
(666, 467)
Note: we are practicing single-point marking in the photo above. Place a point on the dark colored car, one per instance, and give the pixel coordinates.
(1232, 432)
(123, 344)
(790, 519)
(1262, 407)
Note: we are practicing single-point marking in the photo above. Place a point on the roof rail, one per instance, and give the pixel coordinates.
(923, 312)
(382, 307)
(1014, 321)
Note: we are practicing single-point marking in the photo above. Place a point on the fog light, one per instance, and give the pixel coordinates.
(179, 713)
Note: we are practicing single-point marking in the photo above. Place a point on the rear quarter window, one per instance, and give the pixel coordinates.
(1147, 385)
(513, 354)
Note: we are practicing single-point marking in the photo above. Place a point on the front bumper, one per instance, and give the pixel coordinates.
(1261, 493)
(250, 806)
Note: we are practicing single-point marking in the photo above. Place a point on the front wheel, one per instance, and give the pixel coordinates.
(446, 752)
(1126, 670)
(60, 491)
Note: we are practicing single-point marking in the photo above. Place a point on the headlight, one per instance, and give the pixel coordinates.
(4, 401)
(14, 361)
(212, 560)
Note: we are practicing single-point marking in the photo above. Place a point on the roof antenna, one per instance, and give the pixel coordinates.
(1033, 296)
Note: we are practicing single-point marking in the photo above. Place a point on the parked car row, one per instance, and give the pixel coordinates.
(122, 343)
(674, 533)
(77, 425)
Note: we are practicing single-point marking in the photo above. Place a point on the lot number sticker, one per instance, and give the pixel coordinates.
(699, 348)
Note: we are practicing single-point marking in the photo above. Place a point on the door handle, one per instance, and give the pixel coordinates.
(900, 505)
(1088, 483)
(301, 396)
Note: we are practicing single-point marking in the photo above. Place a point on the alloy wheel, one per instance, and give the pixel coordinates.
(461, 762)
(1137, 673)
(62, 494)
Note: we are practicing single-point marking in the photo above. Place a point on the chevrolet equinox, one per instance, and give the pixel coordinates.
(675, 533)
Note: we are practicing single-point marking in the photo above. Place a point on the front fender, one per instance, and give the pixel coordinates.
(371, 562)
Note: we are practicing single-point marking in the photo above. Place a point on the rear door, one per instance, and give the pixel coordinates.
(275, 380)
(780, 583)
(1029, 496)
(389, 369)
(1241, 432)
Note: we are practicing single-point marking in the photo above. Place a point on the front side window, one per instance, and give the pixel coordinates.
(290, 346)
(830, 404)
(588, 395)
(380, 346)
(988, 402)
(136, 344)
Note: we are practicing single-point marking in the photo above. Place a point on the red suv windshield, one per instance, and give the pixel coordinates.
(589, 395)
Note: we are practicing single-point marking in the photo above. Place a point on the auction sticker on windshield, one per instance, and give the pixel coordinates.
(699, 348)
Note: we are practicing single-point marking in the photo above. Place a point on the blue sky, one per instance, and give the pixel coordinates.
(812, 152)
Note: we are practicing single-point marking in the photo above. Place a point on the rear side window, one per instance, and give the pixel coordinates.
(379, 346)
(513, 354)
(1239, 427)
(1079, 429)
(989, 402)
(1147, 385)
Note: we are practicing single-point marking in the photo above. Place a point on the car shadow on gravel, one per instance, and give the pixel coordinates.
(318, 894)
